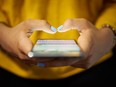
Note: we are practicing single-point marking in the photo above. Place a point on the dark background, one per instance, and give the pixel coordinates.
(102, 75)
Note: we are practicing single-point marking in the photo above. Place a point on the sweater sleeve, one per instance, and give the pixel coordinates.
(108, 15)
(3, 18)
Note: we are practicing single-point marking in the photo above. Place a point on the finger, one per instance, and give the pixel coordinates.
(29, 62)
(47, 29)
(34, 61)
(85, 63)
(78, 24)
(18, 54)
(41, 59)
(85, 42)
(59, 62)
(39, 25)
(21, 55)
(25, 44)
(64, 28)
(60, 28)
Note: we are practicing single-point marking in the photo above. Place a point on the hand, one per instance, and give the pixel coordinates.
(15, 40)
(94, 43)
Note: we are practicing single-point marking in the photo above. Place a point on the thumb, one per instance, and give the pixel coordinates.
(25, 44)
(47, 29)
(37, 25)
(78, 24)
(85, 42)
(64, 28)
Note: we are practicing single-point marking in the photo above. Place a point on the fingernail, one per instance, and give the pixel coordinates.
(60, 27)
(53, 29)
(30, 54)
(41, 64)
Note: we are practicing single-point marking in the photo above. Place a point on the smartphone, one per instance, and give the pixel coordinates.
(56, 49)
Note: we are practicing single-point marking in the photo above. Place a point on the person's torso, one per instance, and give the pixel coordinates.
(55, 12)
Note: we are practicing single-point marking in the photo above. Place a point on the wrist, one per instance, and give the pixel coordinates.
(3, 31)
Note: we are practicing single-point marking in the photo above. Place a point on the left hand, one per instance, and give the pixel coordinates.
(94, 43)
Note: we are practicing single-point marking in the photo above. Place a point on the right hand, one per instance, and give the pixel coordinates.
(15, 40)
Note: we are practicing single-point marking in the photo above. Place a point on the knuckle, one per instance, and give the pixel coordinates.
(83, 19)
(21, 57)
(27, 23)
(68, 22)
(44, 23)
(31, 22)
(35, 23)
(85, 22)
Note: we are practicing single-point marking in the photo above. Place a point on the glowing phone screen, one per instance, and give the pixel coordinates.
(57, 48)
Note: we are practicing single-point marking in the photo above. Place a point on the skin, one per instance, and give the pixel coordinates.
(16, 42)
(94, 42)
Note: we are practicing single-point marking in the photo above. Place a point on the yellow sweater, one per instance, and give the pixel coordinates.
(55, 12)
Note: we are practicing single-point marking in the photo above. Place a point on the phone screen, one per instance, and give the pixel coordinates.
(55, 48)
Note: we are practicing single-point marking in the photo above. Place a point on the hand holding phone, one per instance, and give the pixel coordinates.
(56, 49)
